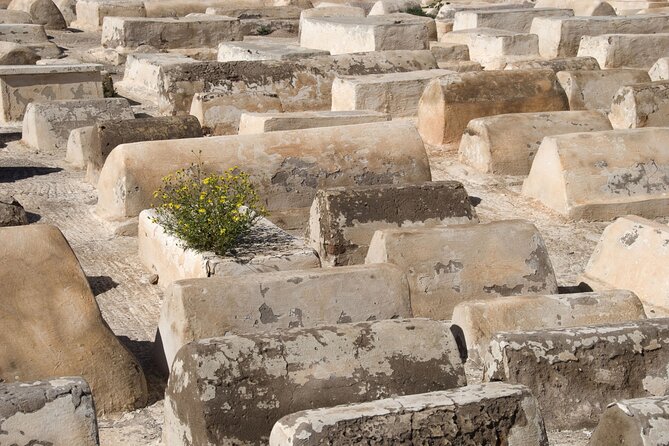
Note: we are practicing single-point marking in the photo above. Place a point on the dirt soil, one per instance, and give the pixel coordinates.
(56, 194)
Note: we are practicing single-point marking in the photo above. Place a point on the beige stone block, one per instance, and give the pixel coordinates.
(580, 7)
(42, 12)
(240, 10)
(341, 35)
(204, 308)
(453, 264)
(22, 85)
(251, 123)
(492, 48)
(449, 103)
(414, 417)
(396, 94)
(633, 253)
(517, 20)
(557, 65)
(660, 70)
(32, 36)
(55, 327)
(382, 7)
(602, 175)
(8, 17)
(15, 54)
(481, 319)
(462, 66)
(595, 89)
(259, 50)
(625, 50)
(286, 167)
(449, 52)
(641, 105)
(489, 146)
(449, 9)
(182, 8)
(299, 369)
(91, 13)
(640, 420)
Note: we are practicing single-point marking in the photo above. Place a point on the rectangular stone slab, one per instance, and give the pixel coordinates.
(481, 319)
(639, 421)
(576, 372)
(286, 167)
(558, 64)
(234, 51)
(632, 254)
(343, 220)
(490, 413)
(450, 102)
(394, 93)
(488, 146)
(21, 85)
(58, 412)
(32, 36)
(641, 105)
(452, 264)
(47, 125)
(449, 52)
(205, 308)
(625, 50)
(595, 89)
(91, 13)
(580, 7)
(493, 47)
(341, 35)
(518, 20)
(621, 172)
(561, 36)
(231, 390)
(250, 123)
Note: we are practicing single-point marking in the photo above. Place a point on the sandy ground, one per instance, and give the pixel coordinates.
(55, 194)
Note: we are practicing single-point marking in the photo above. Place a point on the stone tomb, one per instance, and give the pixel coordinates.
(641, 105)
(47, 125)
(261, 50)
(286, 167)
(602, 175)
(250, 123)
(299, 369)
(453, 264)
(576, 372)
(344, 219)
(493, 48)
(517, 20)
(633, 253)
(558, 64)
(450, 102)
(488, 414)
(32, 36)
(204, 308)
(488, 146)
(58, 412)
(625, 50)
(346, 34)
(481, 319)
(639, 421)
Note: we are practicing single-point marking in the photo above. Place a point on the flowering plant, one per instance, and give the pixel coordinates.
(208, 212)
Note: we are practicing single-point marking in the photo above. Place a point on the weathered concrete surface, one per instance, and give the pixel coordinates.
(449, 103)
(625, 50)
(59, 412)
(489, 146)
(32, 36)
(561, 36)
(343, 220)
(632, 253)
(580, 7)
(641, 105)
(558, 64)
(636, 422)
(54, 327)
(47, 125)
(346, 34)
(518, 20)
(286, 167)
(487, 414)
(124, 34)
(22, 85)
(205, 308)
(15, 54)
(11, 212)
(396, 94)
(106, 135)
(595, 89)
(42, 12)
(250, 123)
(171, 82)
(268, 248)
(493, 48)
(453, 264)
(621, 172)
(576, 372)
(91, 13)
(236, 51)
(481, 319)
(210, 399)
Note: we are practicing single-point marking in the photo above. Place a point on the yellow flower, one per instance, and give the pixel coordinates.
(206, 180)
(202, 210)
